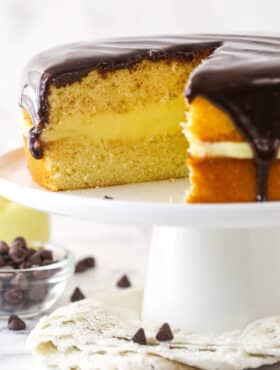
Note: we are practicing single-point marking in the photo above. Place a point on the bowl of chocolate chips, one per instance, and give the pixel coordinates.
(32, 276)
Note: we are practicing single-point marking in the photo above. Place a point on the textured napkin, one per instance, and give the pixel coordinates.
(90, 335)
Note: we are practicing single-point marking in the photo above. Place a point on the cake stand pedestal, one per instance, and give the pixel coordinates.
(212, 279)
(212, 267)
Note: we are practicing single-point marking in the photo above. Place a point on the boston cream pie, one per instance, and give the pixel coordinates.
(106, 113)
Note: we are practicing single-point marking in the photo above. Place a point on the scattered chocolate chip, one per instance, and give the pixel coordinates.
(17, 253)
(84, 264)
(165, 333)
(108, 197)
(37, 293)
(80, 267)
(124, 282)
(90, 262)
(13, 296)
(140, 337)
(19, 281)
(77, 295)
(19, 242)
(4, 248)
(16, 323)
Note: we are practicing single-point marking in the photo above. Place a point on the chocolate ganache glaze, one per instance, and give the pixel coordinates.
(241, 75)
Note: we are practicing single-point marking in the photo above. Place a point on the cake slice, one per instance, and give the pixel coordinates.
(221, 162)
(233, 123)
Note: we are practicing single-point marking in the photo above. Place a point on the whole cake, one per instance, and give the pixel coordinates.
(111, 112)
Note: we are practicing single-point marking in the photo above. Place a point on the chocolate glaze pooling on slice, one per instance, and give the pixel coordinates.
(241, 76)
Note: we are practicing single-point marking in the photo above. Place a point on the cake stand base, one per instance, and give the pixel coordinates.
(212, 280)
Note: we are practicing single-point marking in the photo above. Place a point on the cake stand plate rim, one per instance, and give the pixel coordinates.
(132, 204)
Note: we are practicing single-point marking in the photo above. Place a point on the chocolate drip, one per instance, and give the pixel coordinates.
(265, 153)
(241, 76)
(262, 172)
(34, 142)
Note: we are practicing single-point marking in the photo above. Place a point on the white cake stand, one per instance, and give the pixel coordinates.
(212, 267)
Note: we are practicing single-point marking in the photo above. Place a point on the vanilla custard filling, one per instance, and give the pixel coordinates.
(227, 149)
(152, 120)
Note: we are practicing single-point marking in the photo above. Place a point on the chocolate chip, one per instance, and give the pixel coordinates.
(84, 264)
(77, 295)
(165, 333)
(140, 337)
(25, 265)
(29, 253)
(124, 282)
(80, 267)
(36, 259)
(2, 261)
(90, 262)
(108, 197)
(46, 254)
(20, 281)
(13, 296)
(19, 242)
(7, 259)
(37, 292)
(4, 248)
(16, 323)
(17, 253)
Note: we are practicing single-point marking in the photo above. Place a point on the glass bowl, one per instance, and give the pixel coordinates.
(31, 291)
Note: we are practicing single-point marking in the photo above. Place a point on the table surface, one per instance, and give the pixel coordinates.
(117, 249)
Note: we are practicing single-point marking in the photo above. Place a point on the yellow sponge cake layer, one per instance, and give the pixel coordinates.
(206, 122)
(81, 163)
(115, 128)
(119, 91)
(228, 180)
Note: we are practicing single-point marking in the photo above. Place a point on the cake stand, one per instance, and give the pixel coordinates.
(212, 267)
